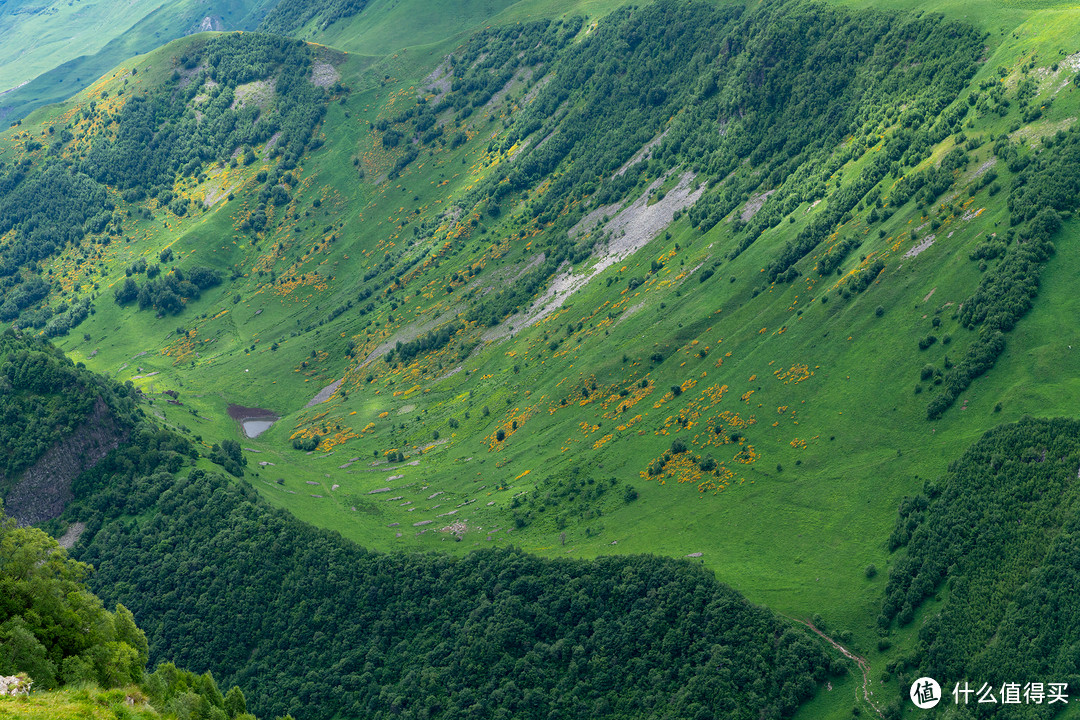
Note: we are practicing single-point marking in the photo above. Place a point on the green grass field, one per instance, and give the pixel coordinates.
(822, 391)
(79, 704)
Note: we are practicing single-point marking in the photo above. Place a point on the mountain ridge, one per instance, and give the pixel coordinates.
(796, 327)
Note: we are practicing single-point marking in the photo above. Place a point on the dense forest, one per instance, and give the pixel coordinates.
(996, 539)
(312, 624)
(58, 633)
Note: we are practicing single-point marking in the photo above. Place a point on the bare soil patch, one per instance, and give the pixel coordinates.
(520, 75)
(438, 81)
(587, 223)
(72, 535)
(270, 144)
(643, 154)
(323, 74)
(325, 394)
(216, 189)
(754, 204)
(1036, 131)
(411, 332)
(531, 95)
(628, 232)
(864, 666)
(921, 247)
(187, 75)
(630, 312)
(981, 170)
(455, 371)
(257, 93)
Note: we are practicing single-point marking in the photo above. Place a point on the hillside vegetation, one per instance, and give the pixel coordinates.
(502, 283)
(55, 632)
(55, 49)
(311, 623)
(328, 628)
(990, 556)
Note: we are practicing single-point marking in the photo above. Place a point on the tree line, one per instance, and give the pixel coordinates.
(310, 623)
(998, 538)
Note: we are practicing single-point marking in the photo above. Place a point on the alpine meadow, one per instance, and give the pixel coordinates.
(348, 349)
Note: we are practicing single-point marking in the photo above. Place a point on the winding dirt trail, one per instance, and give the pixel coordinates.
(864, 666)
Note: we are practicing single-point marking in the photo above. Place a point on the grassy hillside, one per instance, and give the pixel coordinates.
(48, 32)
(246, 591)
(65, 705)
(578, 261)
(56, 49)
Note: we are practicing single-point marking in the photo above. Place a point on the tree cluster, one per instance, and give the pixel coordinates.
(434, 340)
(168, 293)
(312, 624)
(1000, 530)
(1045, 188)
(166, 133)
(51, 626)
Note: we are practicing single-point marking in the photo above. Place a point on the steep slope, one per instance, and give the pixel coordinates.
(45, 487)
(59, 421)
(54, 26)
(824, 248)
(56, 49)
(525, 188)
(309, 622)
(69, 657)
(987, 559)
(379, 27)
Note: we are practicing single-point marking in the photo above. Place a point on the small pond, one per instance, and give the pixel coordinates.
(255, 428)
(254, 421)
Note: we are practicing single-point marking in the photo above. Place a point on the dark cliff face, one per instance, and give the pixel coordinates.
(45, 488)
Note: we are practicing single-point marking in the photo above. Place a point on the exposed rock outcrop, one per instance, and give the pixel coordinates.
(45, 488)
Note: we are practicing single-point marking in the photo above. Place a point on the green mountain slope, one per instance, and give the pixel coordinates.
(56, 49)
(77, 659)
(989, 563)
(387, 27)
(630, 283)
(309, 622)
(331, 630)
(57, 30)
